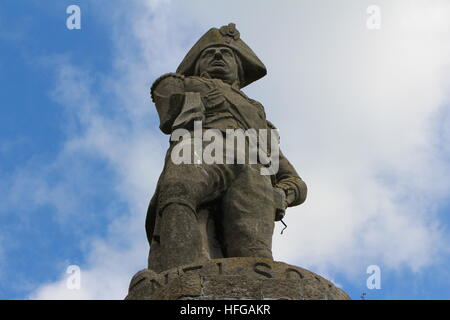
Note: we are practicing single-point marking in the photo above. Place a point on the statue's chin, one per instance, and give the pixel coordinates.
(218, 71)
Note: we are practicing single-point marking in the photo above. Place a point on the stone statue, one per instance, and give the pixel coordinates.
(211, 220)
(241, 203)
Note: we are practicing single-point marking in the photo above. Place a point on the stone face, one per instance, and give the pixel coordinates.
(234, 278)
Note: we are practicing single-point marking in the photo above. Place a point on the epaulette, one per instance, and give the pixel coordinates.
(164, 76)
(257, 104)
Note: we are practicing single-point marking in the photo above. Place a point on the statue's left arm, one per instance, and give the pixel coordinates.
(288, 180)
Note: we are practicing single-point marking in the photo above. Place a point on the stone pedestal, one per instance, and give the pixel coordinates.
(233, 278)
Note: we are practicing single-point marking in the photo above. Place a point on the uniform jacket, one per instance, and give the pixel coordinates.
(179, 100)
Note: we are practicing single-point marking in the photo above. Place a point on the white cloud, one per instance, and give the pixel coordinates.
(356, 111)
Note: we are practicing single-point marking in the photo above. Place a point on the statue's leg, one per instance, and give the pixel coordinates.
(248, 215)
(182, 189)
(180, 238)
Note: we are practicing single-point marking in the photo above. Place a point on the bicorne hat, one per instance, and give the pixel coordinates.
(228, 36)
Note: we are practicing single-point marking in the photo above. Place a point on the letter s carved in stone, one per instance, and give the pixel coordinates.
(257, 267)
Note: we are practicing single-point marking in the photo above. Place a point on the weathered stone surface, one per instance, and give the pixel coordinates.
(233, 278)
(231, 287)
(282, 289)
(222, 206)
(210, 223)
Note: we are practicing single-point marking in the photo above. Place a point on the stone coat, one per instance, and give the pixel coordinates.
(235, 110)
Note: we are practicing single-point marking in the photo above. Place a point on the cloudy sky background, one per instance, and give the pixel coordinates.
(364, 116)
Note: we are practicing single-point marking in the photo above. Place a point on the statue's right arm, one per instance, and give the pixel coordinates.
(179, 101)
(167, 93)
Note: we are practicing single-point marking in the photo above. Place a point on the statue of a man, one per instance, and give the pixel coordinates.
(242, 203)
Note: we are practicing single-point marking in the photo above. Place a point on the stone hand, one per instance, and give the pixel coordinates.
(280, 203)
(213, 98)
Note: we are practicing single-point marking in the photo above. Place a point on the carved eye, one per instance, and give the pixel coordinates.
(226, 52)
(208, 53)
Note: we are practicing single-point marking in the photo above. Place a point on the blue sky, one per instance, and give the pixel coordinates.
(80, 149)
(34, 129)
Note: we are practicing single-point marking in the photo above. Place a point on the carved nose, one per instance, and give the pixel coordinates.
(217, 55)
